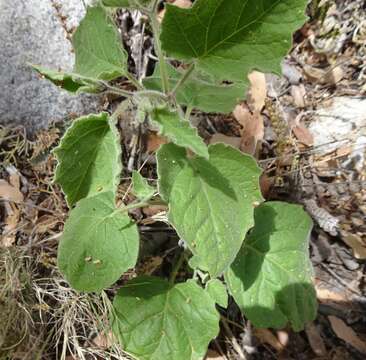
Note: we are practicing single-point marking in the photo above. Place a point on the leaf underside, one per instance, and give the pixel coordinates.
(199, 92)
(270, 279)
(154, 320)
(229, 38)
(211, 202)
(88, 158)
(98, 244)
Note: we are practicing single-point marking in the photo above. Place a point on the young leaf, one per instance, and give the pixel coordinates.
(89, 158)
(68, 81)
(140, 187)
(217, 291)
(154, 320)
(211, 202)
(98, 244)
(271, 277)
(228, 38)
(99, 54)
(199, 92)
(178, 130)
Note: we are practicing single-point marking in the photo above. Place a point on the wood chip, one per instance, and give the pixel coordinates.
(258, 91)
(303, 135)
(9, 192)
(267, 337)
(347, 334)
(356, 243)
(315, 340)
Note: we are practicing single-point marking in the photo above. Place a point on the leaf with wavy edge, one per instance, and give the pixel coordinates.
(154, 320)
(270, 279)
(178, 130)
(88, 158)
(229, 38)
(98, 245)
(211, 202)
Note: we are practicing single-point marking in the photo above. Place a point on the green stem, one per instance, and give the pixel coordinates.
(188, 112)
(134, 81)
(176, 267)
(183, 79)
(121, 108)
(159, 52)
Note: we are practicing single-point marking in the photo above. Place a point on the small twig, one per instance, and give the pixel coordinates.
(235, 343)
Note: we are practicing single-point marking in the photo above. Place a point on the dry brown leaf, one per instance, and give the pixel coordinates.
(9, 192)
(258, 91)
(298, 93)
(283, 337)
(154, 141)
(242, 115)
(357, 244)
(229, 140)
(103, 341)
(267, 337)
(253, 133)
(213, 355)
(11, 222)
(184, 4)
(347, 334)
(303, 135)
(315, 340)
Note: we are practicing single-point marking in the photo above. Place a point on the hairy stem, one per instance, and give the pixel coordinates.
(183, 79)
(134, 81)
(159, 52)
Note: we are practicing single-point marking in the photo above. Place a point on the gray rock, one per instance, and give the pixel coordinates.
(31, 31)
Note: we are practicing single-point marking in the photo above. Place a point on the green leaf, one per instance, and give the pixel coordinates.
(71, 82)
(154, 320)
(178, 130)
(200, 92)
(228, 38)
(141, 188)
(99, 55)
(211, 202)
(88, 158)
(171, 160)
(132, 4)
(217, 291)
(98, 244)
(98, 47)
(271, 277)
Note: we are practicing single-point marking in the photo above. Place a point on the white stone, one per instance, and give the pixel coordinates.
(31, 32)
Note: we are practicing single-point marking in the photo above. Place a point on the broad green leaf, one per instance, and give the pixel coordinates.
(171, 160)
(178, 130)
(99, 54)
(228, 38)
(217, 291)
(271, 277)
(141, 188)
(134, 4)
(88, 158)
(199, 92)
(154, 320)
(98, 47)
(98, 244)
(211, 202)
